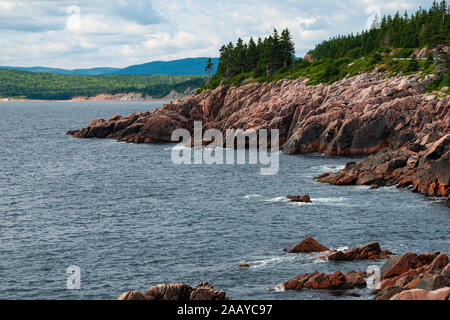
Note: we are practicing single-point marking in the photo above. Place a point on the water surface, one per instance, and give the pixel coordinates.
(131, 219)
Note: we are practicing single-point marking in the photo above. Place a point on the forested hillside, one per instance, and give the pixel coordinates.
(424, 28)
(46, 86)
(392, 46)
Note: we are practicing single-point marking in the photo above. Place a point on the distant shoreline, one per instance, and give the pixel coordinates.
(6, 100)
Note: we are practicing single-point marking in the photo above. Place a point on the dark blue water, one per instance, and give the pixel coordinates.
(130, 219)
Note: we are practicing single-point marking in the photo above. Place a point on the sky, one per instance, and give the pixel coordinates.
(119, 33)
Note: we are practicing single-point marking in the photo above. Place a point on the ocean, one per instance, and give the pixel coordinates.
(130, 218)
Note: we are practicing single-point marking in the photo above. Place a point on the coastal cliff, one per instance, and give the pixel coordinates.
(405, 129)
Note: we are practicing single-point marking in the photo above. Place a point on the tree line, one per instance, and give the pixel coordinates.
(424, 28)
(263, 56)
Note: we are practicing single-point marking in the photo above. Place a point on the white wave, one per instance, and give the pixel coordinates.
(362, 187)
(323, 257)
(328, 200)
(272, 260)
(328, 168)
(277, 199)
(301, 203)
(249, 196)
(277, 288)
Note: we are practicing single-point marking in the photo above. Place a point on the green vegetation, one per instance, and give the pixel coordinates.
(424, 28)
(209, 68)
(389, 47)
(47, 86)
(264, 57)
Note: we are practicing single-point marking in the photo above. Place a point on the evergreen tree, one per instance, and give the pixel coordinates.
(424, 28)
(252, 55)
(287, 48)
(208, 68)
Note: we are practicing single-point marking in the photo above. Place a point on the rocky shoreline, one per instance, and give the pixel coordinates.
(408, 276)
(406, 130)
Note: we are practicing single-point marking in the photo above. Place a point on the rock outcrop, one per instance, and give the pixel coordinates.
(308, 245)
(419, 294)
(177, 291)
(318, 280)
(362, 115)
(424, 168)
(415, 276)
(369, 251)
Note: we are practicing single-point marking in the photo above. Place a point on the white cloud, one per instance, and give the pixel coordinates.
(7, 5)
(118, 33)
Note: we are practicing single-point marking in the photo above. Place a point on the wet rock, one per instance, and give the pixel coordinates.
(427, 272)
(177, 291)
(133, 295)
(206, 291)
(439, 262)
(400, 265)
(172, 291)
(369, 251)
(433, 283)
(304, 198)
(307, 245)
(388, 293)
(318, 280)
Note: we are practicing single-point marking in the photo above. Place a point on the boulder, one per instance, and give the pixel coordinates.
(304, 198)
(369, 251)
(176, 291)
(318, 280)
(416, 276)
(399, 265)
(420, 294)
(388, 292)
(307, 245)
(133, 295)
(205, 291)
(172, 291)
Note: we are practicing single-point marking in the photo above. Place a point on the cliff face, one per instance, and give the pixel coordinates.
(357, 116)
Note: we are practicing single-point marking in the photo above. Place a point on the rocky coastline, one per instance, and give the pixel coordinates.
(407, 276)
(404, 131)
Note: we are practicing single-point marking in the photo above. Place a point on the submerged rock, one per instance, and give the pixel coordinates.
(308, 244)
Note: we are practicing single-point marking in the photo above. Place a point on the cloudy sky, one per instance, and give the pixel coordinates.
(118, 33)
